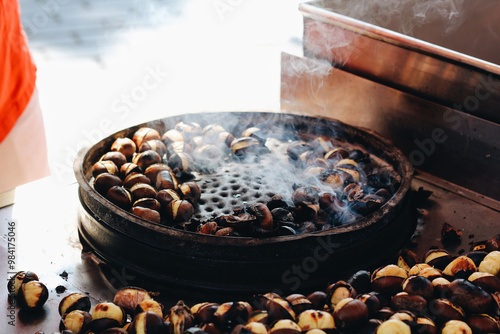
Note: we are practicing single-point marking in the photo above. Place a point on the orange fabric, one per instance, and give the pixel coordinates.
(17, 71)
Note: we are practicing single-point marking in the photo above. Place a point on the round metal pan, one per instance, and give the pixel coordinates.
(172, 259)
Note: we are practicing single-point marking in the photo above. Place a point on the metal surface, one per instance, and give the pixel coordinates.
(441, 141)
(181, 259)
(337, 31)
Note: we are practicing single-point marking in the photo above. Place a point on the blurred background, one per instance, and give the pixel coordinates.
(107, 65)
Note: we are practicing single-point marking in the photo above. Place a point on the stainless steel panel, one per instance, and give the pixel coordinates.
(434, 72)
(452, 145)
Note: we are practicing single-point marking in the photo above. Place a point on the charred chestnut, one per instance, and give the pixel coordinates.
(245, 146)
(438, 258)
(118, 158)
(419, 285)
(152, 171)
(166, 180)
(142, 190)
(190, 192)
(393, 326)
(146, 159)
(350, 314)
(404, 301)
(76, 321)
(172, 136)
(74, 301)
(279, 308)
(109, 310)
(129, 168)
(154, 145)
(469, 296)
(461, 267)
(21, 277)
(456, 326)
(315, 319)
(130, 297)
(32, 295)
(104, 181)
(491, 263)
(144, 134)
(296, 148)
(285, 326)
(106, 166)
(120, 197)
(180, 162)
(165, 196)
(444, 310)
(337, 292)
(150, 305)
(299, 303)
(147, 323)
(388, 279)
(487, 281)
(179, 211)
(125, 146)
(189, 129)
(145, 213)
(149, 203)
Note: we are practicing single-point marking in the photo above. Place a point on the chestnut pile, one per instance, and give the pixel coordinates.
(153, 176)
(440, 293)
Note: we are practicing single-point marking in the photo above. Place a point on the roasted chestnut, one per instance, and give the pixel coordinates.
(130, 297)
(461, 267)
(106, 166)
(470, 297)
(74, 301)
(350, 314)
(245, 146)
(149, 203)
(296, 148)
(285, 326)
(407, 259)
(336, 155)
(404, 301)
(393, 326)
(444, 310)
(388, 279)
(190, 192)
(21, 277)
(315, 319)
(166, 180)
(144, 134)
(172, 136)
(118, 158)
(145, 213)
(150, 305)
(146, 159)
(104, 181)
(152, 171)
(124, 145)
(180, 162)
(418, 285)
(279, 308)
(491, 263)
(76, 321)
(32, 295)
(155, 145)
(129, 168)
(299, 303)
(142, 190)
(109, 310)
(120, 197)
(146, 323)
(487, 281)
(165, 196)
(189, 129)
(438, 258)
(204, 312)
(179, 211)
(230, 313)
(456, 326)
(337, 292)
(135, 178)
